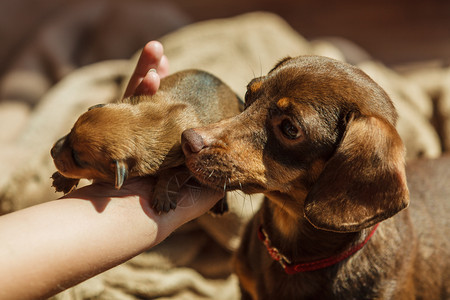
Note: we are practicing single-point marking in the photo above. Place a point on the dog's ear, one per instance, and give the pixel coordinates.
(364, 182)
(121, 172)
(282, 61)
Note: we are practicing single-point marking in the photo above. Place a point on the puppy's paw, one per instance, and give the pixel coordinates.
(167, 189)
(220, 207)
(162, 203)
(63, 184)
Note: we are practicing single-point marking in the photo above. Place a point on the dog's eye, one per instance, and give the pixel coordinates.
(289, 130)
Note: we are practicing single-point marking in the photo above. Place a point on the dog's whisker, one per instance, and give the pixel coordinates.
(260, 66)
(243, 195)
(240, 194)
(244, 203)
(253, 71)
(243, 206)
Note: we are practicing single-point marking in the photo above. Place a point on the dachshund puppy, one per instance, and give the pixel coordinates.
(140, 136)
(318, 138)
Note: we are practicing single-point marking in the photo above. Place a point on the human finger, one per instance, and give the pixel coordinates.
(150, 58)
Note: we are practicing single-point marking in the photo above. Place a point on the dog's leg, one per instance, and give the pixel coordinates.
(63, 184)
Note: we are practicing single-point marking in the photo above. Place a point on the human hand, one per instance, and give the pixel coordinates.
(151, 67)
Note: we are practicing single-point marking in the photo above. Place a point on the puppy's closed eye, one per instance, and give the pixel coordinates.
(78, 161)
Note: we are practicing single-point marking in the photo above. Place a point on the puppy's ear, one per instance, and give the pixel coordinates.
(364, 182)
(96, 106)
(121, 171)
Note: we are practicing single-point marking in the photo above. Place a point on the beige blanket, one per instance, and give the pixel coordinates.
(236, 50)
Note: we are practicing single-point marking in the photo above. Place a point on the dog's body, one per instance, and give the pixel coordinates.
(318, 138)
(140, 136)
(407, 258)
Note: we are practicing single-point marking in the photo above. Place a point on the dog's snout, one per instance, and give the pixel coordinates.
(191, 142)
(56, 149)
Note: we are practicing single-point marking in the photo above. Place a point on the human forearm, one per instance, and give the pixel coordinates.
(43, 252)
(55, 245)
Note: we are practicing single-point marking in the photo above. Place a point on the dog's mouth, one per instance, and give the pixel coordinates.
(220, 174)
(60, 165)
(207, 173)
(64, 168)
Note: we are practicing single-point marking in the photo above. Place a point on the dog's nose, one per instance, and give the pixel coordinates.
(57, 147)
(191, 142)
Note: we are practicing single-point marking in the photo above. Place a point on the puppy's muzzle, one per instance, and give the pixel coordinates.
(56, 149)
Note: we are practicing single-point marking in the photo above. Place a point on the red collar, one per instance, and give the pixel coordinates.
(290, 268)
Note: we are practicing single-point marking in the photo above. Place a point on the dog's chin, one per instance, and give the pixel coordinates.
(84, 174)
(69, 175)
(221, 175)
(60, 166)
(227, 184)
(64, 171)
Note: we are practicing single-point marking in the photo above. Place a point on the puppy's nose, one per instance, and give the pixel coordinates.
(191, 142)
(57, 147)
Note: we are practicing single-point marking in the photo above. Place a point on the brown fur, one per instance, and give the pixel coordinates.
(140, 136)
(318, 138)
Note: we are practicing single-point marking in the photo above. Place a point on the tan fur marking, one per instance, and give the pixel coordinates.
(256, 86)
(283, 103)
(286, 210)
(316, 169)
